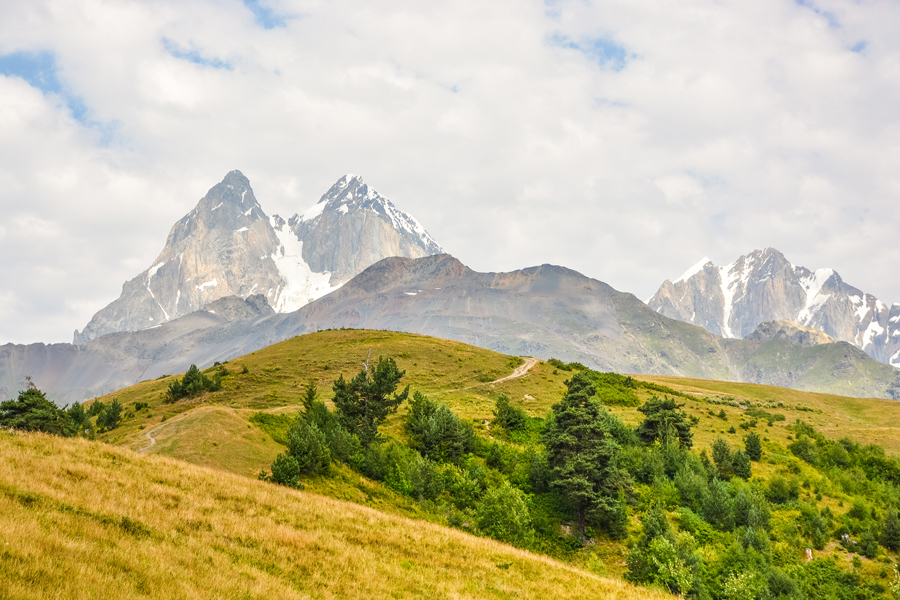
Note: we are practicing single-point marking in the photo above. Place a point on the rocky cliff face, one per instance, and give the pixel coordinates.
(733, 300)
(227, 246)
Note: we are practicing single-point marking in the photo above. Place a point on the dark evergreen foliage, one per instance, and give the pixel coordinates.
(286, 471)
(111, 416)
(32, 411)
(510, 418)
(664, 421)
(581, 452)
(364, 402)
(740, 460)
(193, 384)
(753, 446)
(890, 530)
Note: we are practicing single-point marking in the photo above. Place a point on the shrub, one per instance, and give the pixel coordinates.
(309, 447)
(286, 471)
(503, 515)
(783, 490)
(510, 418)
(753, 446)
(192, 384)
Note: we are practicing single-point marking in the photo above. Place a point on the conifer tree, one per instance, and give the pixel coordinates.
(309, 447)
(664, 421)
(753, 446)
(32, 411)
(581, 452)
(890, 530)
(741, 463)
(364, 402)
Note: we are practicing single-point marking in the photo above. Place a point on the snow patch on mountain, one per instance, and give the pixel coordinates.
(693, 270)
(302, 285)
(814, 298)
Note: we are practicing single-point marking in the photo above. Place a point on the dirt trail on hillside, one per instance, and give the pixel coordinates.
(149, 434)
(520, 371)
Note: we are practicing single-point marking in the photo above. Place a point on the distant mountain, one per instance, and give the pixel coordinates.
(228, 246)
(732, 301)
(544, 311)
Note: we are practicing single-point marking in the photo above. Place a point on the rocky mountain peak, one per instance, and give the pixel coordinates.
(227, 246)
(732, 301)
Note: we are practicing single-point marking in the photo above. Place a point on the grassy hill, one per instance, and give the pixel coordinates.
(224, 430)
(86, 520)
(453, 373)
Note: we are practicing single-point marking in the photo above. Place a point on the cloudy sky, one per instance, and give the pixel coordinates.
(623, 138)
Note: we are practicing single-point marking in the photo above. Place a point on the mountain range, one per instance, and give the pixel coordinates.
(733, 300)
(228, 246)
(231, 280)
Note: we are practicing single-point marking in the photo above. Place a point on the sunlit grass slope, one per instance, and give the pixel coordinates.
(864, 420)
(87, 520)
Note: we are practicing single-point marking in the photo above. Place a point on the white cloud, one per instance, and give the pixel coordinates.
(621, 139)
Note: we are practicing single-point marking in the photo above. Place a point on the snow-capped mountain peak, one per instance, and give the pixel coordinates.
(226, 245)
(732, 301)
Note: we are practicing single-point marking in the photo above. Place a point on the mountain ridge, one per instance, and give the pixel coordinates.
(226, 245)
(763, 285)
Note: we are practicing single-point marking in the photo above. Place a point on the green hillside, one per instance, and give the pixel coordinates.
(680, 520)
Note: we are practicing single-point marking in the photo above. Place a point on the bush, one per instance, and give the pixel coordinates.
(503, 515)
(309, 447)
(192, 384)
(510, 418)
(782, 491)
(286, 471)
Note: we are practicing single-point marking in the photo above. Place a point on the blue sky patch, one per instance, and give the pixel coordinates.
(40, 71)
(37, 68)
(859, 47)
(265, 16)
(601, 50)
(194, 56)
(827, 15)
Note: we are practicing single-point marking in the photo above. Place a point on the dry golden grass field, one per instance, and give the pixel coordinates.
(88, 520)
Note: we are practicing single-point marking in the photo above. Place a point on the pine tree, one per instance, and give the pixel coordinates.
(581, 452)
(364, 402)
(32, 411)
(77, 414)
(721, 455)
(286, 470)
(741, 462)
(664, 421)
(111, 416)
(309, 447)
(753, 446)
(420, 411)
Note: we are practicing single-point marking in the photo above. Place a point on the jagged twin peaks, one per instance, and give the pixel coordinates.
(732, 301)
(228, 246)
